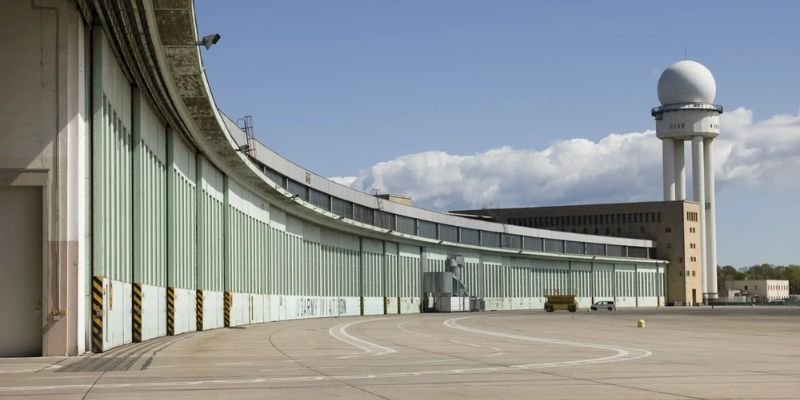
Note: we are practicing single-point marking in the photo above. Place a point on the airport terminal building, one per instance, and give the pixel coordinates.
(134, 208)
(672, 225)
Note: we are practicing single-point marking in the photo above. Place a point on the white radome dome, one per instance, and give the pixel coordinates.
(686, 81)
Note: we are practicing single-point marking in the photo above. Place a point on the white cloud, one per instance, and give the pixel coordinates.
(619, 167)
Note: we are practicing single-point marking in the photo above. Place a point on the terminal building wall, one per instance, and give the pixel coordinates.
(145, 232)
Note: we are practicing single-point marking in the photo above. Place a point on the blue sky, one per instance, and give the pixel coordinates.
(383, 93)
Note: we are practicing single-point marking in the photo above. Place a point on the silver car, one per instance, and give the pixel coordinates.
(604, 305)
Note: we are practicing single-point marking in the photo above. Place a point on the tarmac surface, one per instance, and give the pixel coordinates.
(701, 353)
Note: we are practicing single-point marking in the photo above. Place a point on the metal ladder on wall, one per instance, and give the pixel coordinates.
(379, 202)
(249, 147)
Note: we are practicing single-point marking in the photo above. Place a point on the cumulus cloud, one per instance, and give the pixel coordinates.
(617, 168)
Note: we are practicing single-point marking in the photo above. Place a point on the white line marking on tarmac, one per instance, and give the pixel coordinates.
(622, 353)
(339, 332)
(497, 351)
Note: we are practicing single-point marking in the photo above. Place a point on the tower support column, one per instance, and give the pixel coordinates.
(710, 222)
(668, 167)
(680, 171)
(698, 193)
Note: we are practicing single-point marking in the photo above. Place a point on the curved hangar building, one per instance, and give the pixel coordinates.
(133, 208)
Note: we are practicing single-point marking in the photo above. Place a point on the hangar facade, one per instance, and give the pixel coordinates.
(132, 210)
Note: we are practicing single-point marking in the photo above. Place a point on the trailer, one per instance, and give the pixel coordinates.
(560, 301)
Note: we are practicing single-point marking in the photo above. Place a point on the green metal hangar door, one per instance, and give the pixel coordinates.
(129, 211)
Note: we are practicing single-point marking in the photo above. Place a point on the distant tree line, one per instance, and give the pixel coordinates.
(790, 273)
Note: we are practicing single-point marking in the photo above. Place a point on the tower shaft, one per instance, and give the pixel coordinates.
(680, 170)
(710, 241)
(699, 195)
(668, 168)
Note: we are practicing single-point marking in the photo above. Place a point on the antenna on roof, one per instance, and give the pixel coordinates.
(685, 53)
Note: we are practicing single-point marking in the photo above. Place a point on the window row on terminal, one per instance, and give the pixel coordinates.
(581, 220)
(455, 234)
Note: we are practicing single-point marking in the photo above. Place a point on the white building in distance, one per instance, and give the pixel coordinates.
(764, 289)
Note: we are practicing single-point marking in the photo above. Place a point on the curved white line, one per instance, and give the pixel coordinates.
(496, 351)
(339, 332)
(622, 353)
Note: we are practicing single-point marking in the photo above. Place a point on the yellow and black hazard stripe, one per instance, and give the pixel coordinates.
(137, 312)
(170, 311)
(398, 304)
(97, 314)
(361, 305)
(199, 309)
(226, 305)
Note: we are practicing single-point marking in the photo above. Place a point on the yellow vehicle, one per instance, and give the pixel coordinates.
(560, 301)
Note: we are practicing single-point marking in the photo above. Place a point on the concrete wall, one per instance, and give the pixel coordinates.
(43, 144)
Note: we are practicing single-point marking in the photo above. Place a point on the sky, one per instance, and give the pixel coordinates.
(470, 104)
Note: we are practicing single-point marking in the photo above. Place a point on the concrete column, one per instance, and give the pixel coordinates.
(710, 221)
(698, 193)
(668, 166)
(680, 171)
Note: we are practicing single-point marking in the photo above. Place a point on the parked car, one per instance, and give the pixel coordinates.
(604, 305)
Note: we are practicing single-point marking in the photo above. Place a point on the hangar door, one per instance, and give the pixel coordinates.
(21, 269)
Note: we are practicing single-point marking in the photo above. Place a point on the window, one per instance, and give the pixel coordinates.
(319, 199)
(669, 245)
(274, 177)
(448, 233)
(406, 225)
(342, 207)
(297, 189)
(426, 229)
(533, 244)
(575, 247)
(553, 246)
(384, 219)
(512, 241)
(668, 230)
(490, 239)
(615, 250)
(595, 249)
(363, 214)
(470, 236)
